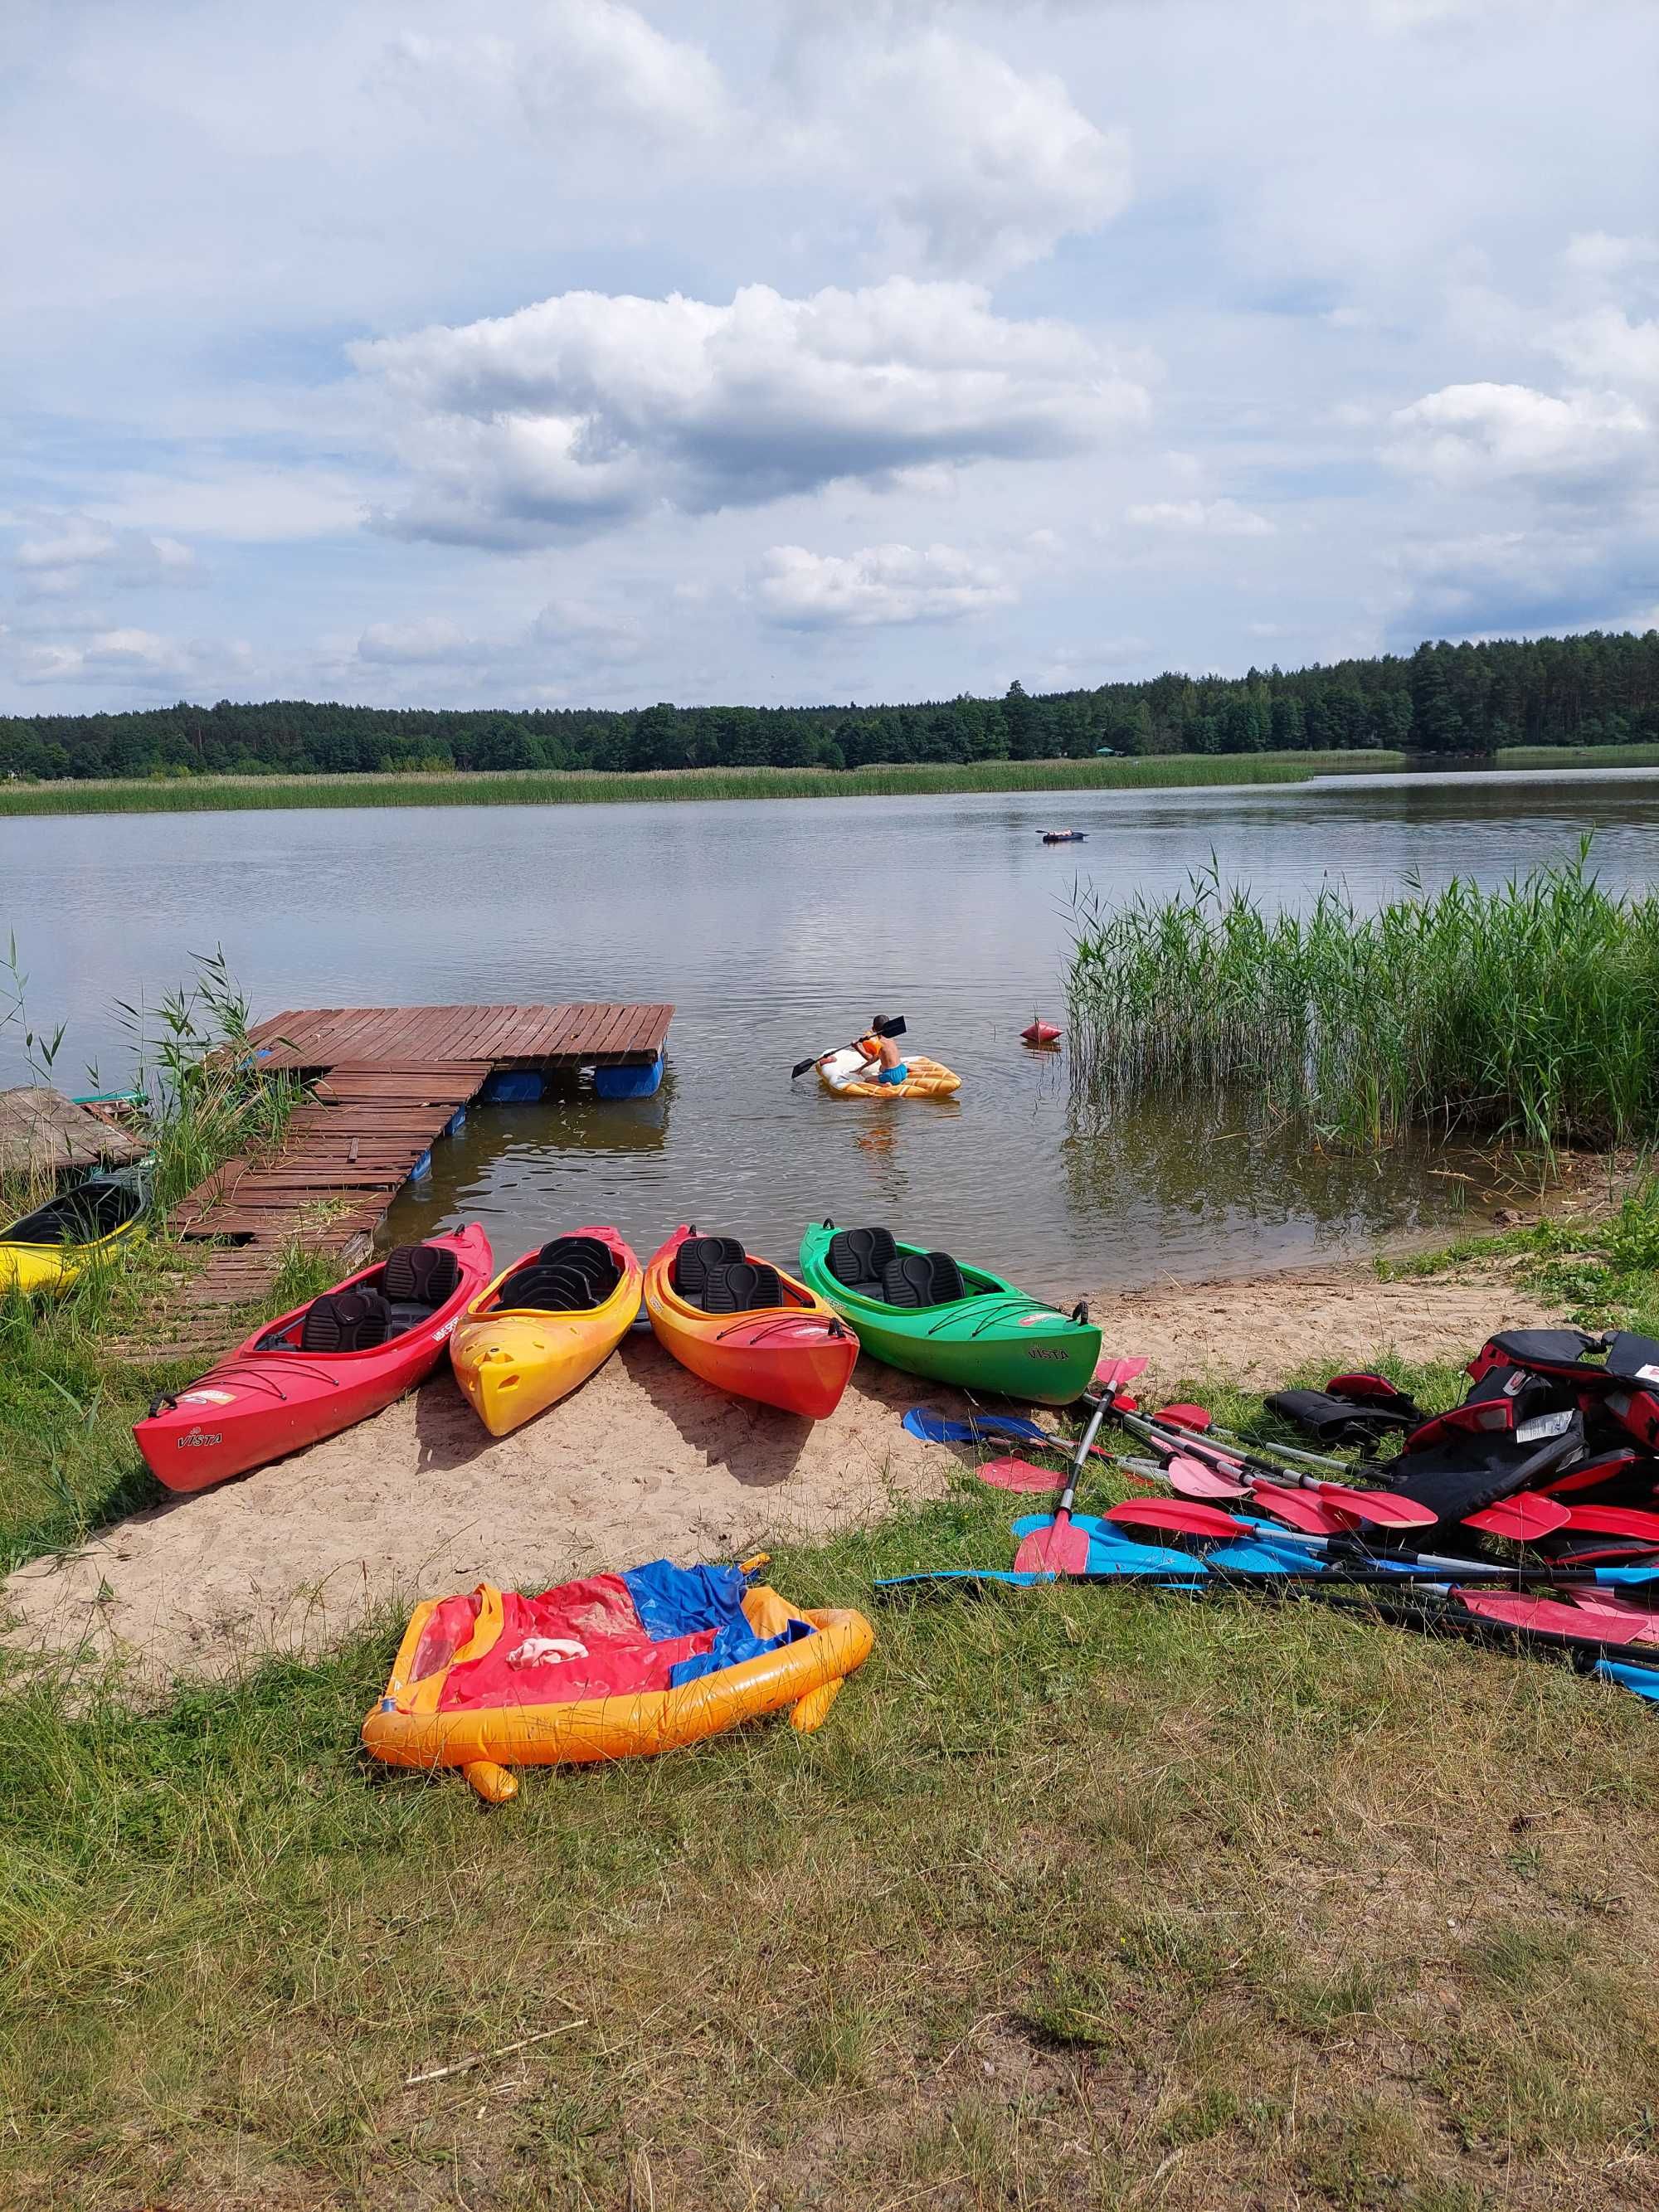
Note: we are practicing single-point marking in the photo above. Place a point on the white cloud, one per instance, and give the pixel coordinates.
(1607, 346)
(1471, 435)
(976, 167)
(1206, 518)
(587, 409)
(432, 638)
(878, 585)
(1602, 253)
(578, 66)
(63, 553)
(139, 656)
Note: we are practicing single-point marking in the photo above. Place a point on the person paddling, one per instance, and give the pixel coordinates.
(880, 1050)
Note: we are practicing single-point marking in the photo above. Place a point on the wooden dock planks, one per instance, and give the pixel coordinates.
(388, 1082)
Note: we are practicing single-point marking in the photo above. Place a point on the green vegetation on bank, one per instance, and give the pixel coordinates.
(1598, 689)
(1083, 1896)
(585, 788)
(1527, 1013)
(68, 1393)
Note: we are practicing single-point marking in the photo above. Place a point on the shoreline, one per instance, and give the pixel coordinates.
(604, 788)
(894, 779)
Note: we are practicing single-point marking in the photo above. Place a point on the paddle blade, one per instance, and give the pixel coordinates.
(1059, 1548)
(1301, 1509)
(1117, 1374)
(1517, 1610)
(1383, 1508)
(1614, 1520)
(800, 1068)
(1523, 1519)
(1184, 1417)
(1191, 1478)
(1178, 1514)
(1018, 1475)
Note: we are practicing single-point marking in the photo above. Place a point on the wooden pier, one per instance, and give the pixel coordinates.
(386, 1082)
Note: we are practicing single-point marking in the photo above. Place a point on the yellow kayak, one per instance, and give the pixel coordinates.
(46, 1250)
(924, 1079)
(543, 1326)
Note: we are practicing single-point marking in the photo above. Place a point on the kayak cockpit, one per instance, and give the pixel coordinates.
(87, 1214)
(377, 1308)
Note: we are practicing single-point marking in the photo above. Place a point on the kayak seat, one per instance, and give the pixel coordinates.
(420, 1274)
(923, 1278)
(695, 1261)
(592, 1256)
(856, 1257)
(544, 1287)
(744, 1286)
(1633, 1358)
(346, 1320)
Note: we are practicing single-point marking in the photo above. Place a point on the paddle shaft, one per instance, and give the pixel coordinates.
(894, 1028)
(1063, 1511)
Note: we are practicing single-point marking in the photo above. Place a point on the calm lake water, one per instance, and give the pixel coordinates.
(776, 928)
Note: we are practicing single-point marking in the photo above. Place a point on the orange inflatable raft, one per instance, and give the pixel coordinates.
(618, 1666)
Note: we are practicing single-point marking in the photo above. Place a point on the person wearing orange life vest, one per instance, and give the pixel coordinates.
(881, 1051)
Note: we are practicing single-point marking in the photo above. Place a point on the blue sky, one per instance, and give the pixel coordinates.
(578, 352)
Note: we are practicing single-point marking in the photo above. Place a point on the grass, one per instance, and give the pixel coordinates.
(590, 787)
(1531, 757)
(1099, 1897)
(68, 1461)
(1528, 1013)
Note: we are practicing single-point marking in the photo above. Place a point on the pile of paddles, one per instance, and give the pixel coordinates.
(1551, 1455)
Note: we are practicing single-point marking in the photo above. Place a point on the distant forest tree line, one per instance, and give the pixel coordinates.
(1598, 689)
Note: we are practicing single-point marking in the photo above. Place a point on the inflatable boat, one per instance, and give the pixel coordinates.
(612, 1667)
(320, 1368)
(928, 1315)
(543, 1326)
(845, 1073)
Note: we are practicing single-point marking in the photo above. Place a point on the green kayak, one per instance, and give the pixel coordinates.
(925, 1313)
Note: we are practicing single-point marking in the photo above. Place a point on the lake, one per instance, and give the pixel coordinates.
(777, 927)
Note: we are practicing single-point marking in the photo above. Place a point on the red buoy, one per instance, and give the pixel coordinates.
(1042, 1033)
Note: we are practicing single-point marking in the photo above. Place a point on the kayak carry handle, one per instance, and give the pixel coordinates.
(164, 1404)
(1080, 1310)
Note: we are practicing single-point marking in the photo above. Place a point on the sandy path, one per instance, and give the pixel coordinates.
(645, 1461)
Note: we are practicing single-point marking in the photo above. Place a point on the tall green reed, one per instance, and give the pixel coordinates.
(1530, 1012)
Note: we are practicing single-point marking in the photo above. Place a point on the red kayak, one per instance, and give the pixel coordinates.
(320, 1368)
(745, 1326)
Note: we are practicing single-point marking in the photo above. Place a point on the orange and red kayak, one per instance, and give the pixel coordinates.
(745, 1326)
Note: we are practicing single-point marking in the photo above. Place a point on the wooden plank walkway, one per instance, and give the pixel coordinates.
(388, 1082)
(544, 1037)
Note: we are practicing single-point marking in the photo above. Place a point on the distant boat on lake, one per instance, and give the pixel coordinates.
(1062, 836)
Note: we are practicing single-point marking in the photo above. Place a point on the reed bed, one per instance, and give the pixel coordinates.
(1528, 1013)
(592, 787)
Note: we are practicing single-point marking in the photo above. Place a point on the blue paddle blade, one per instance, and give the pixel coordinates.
(934, 1429)
(1644, 1680)
(1112, 1552)
(1616, 1578)
(1262, 1559)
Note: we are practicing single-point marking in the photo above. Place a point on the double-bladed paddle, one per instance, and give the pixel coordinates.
(894, 1028)
(1059, 1547)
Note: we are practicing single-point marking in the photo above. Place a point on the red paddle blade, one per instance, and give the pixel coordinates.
(1623, 1609)
(1191, 1478)
(1614, 1520)
(1517, 1610)
(1184, 1417)
(1523, 1519)
(1060, 1548)
(1118, 1374)
(1301, 1509)
(1177, 1513)
(1019, 1474)
(1381, 1507)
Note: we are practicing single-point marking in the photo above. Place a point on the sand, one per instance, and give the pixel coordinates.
(643, 1461)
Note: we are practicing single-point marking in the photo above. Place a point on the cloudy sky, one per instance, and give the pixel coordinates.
(557, 351)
